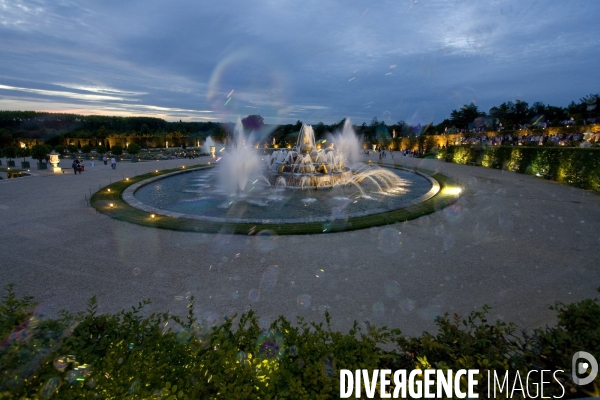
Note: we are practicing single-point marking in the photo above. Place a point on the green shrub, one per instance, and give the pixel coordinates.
(101, 149)
(87, 149)
(72, 148)
(23, 152)
(133, 149)
(127, 355)
(579, 167)
(117, 150)
(39, 152)
(59, 149)
(462, 155)
(9, 152)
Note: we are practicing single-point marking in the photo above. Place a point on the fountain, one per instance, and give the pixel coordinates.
(306, 166)
(250, 187)
(241, 162)
(209, 146)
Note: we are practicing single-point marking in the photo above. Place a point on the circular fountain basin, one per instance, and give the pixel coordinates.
(196, 195)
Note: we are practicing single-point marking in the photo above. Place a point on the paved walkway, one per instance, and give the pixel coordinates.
(515, 242)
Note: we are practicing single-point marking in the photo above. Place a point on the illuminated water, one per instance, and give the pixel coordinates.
(198, 193)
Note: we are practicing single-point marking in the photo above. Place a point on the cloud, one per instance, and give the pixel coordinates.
(70, 95)
(279, 55)
(103, 90)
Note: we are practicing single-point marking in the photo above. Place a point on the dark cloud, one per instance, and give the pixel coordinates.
(312, 60)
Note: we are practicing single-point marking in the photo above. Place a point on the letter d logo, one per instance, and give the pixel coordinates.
(582, 367)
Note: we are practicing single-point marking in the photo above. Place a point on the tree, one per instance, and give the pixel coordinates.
(59, 149)
(101, 132)
(298, 126)
(23, 152)
(589, 105)
(503, 114)
(338, 125)
(5, 137)
(133, 149)
(72, 148)
(117, 150)
(253, 123)
(38, 152)
(319, 131)
(9, 152)
(100, 149)
(87, 149)
(521, 112)
(465, 116)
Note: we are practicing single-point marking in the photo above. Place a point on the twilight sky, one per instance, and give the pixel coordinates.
(311, 60)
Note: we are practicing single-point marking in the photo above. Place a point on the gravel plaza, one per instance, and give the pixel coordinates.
(514, 242)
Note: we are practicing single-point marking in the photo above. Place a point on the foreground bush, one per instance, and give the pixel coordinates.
(126, 355)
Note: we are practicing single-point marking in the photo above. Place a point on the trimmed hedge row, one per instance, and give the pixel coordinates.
(579, 167)
(125, 355)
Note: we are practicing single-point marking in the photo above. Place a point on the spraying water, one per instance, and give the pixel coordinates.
(347, 143)
(241, 164)
(207, 144)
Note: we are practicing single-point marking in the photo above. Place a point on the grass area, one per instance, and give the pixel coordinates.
(431, 156)
(108, 201)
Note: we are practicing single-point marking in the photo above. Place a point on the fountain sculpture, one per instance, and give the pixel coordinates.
(307, 166)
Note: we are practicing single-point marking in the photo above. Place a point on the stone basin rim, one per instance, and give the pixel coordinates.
(129, 198)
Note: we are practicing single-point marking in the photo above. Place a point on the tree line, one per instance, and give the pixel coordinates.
(55, 128)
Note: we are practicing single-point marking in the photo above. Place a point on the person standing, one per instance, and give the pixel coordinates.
(75, 166)
(113, 163)
(105, 159)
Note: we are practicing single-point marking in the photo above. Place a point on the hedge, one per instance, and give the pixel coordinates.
(126, 355)
(579, 167)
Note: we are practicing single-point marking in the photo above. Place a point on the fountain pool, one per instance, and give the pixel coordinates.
(311, 182)
(198, 195)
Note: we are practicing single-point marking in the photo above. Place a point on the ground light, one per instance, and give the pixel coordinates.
(453, 190)
(111, 205)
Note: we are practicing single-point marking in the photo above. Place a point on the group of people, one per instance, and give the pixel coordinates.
(78, 166)
(113, 162)
(191, 155)
(383, 154)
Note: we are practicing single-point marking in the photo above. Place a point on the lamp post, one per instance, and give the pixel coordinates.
(54, 160)
(213, 150)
